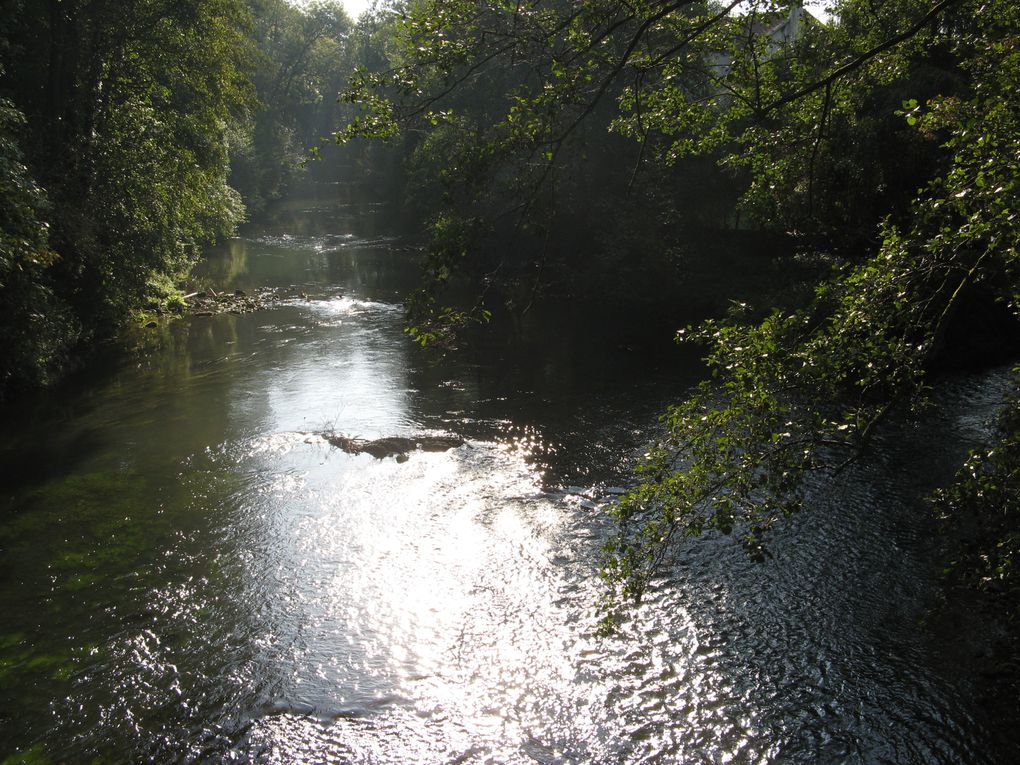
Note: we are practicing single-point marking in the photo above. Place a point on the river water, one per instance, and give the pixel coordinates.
(190, 573)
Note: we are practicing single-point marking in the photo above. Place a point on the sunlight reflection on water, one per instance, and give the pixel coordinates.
(226, 585)
(422, 589)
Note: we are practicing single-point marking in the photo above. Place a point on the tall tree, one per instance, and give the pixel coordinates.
(126, 122)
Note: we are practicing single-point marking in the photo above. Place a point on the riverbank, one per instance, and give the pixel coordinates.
(210, 302)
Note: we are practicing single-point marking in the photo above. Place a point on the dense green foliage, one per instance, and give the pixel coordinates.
(133, 135)
(884, 142)
(125, 112)
(27, 305)
(804, 389)
(983, 505)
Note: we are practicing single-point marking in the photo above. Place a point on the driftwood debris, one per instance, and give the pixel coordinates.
(211, 303)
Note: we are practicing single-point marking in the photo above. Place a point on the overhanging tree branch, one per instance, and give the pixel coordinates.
(859, 61)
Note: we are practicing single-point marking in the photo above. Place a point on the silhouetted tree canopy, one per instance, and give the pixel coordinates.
(883, 143)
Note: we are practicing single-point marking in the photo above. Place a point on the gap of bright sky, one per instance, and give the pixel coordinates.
(356, 7)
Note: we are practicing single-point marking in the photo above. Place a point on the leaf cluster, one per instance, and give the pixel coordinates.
(804, 391)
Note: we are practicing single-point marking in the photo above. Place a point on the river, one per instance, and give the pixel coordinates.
(190, 573)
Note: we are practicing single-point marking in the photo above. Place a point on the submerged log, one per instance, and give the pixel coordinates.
(393, 446)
